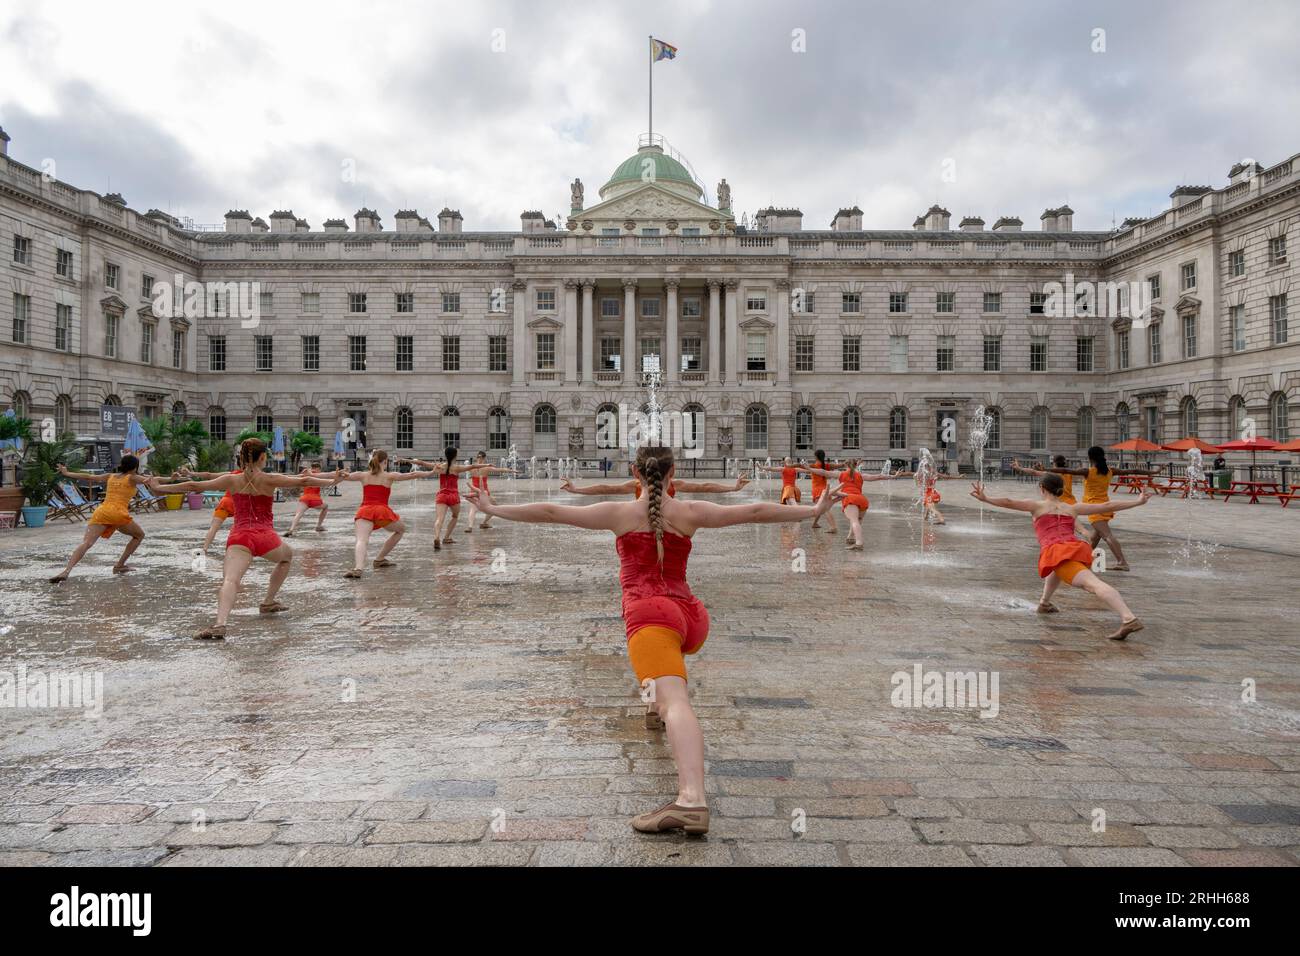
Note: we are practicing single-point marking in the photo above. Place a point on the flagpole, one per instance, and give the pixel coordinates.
(650, 78)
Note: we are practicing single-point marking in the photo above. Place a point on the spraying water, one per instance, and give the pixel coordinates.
(511, 460)
(1194, 548)
(925, 477)
(980, 424)
(887, 469)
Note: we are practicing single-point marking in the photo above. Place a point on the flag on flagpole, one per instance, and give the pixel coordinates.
(659, 50)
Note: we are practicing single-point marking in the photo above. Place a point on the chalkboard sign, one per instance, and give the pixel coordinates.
(114, 420)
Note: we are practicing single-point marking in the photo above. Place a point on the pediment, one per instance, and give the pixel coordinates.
(1188, 303)
(545, 323)
(111, 303)
(650, 203)
(756, 322)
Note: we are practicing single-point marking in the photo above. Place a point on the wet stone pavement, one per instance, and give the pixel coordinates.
(474, 706)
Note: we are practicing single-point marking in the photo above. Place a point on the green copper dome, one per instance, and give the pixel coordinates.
(652, 161)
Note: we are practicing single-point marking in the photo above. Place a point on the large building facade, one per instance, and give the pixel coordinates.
(773, 338)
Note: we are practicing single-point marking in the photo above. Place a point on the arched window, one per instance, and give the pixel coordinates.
(756, 429)
(1277, 409)
(63, 414)
(1236, 415)
(22, 405)
(803, 429)
(263, 420)
(217, 423)
(1191, 418)
(1083, 428)
(310, 419)
(607, 433)
(851, 428)
(450, 427)
(113, 400)
(995, 428)
(1038, 428)
(498, 424)
(1123, 422)
(692, 438)
(178, 414)
(897, 428)
(544, 431)
(404, 428)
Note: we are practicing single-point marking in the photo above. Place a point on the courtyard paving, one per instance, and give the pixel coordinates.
(474, 706)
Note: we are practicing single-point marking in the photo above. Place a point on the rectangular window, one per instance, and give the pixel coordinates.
(1189, 275)
(756, 352)
(22, 317)
(611, 356)
(1277, 319)
(1237, 263)
(1189, 336)
(898, 353)
(692, 307)
(450, 302)
(110, 335)
(63, 263)
(1153, 285)
(311, 424)
(992, 353)
(1277, 251)
(146, 287)
(217, 427)
(1238, 315)
(356, 353)
(756, 301)
(22, 250)
(545, 300)
(545, 351)
(650, 361)
(404, 354)
(1122, 348)
(266, 303)
(610, 308)
(650, 308)
(404, 302)
(146, 343)
(1153, 343)
(851, 353)
(310, 302)
(216, 353)
(803, 353)
(178, 348)
(851, 302)
(356, 301)
(62, 327)
(265, 351)
(112, 275)
(945, 353)
(311, 353)
(992, 301)
(1037, 303)
(898, 302)
(945, 302)
(451, 353)
(1038, 353)
(1153, 424)
(691, 353)
(497, 361)
(1083, 358)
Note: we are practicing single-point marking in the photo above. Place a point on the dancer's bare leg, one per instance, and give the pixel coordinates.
(936, 515)
(359, 551)
(320, 522)
(395, 532)
(213, 528)
(1095, 585)
(283, 558)
(1103, 530)
(238, 560)
(1050, 584)
(87, 542)
(137, 535)
(684, 737)
(854, 514)
(455, 515)
(440, 513)
(297, 516)
(469, 521)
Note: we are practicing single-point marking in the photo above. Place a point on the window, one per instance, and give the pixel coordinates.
(62, 415)
(110, 335)
(992, 301)
(1037, 303)
(311, 353)
(112, 275)
(1189, 275)
(356, 301)
(1123, 430)
(22, 317)
(1189, 336)
(945, 353)
(1083, 358)
(266, 303)
(404, 353)
(992, 353)
(1277, 251)
(22, 250)
(1281, 427)
(1153, 285)
(609, 236)
(650, 358)
(691, 360)
(310, 302)
(216, 353)
(264, 421)
(178, 414)
(544, 420)
(851, 353)
(756, 301)
(692, 307)
(311, 421)
(611, 357)
(178, 348)
(62, 327)
(851, 428)
(356, 353)
(146, 287)
(945, 302)
(607, 426)
(545, 300)
(1191, 417)
(404, 301)
(451, 353)
(1277, 321)
(1083, 429)
(451, 426)
(545, 351)
(610, 308)
(1237, 315)
(498, 425)
(693, 427)
(756, 428)
(897, 428)
(995, 428)
(898, 353)
(63, 263)
(219, 303)
(898, 302)
(1237, 263)
(851, 302)
(404, 428)
(1122, 347)
(1038, 428)
(756, 352)
(1153, 343)
(497, 353)
(803, 353)
(451, 302)
(1237, 414)
(1153, 424)
(650, 308)
(146, 343)
(265, 353)
(803, 429)
(217, 425)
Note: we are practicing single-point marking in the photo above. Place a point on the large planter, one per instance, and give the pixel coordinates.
(11, 499)
(195, 500)
(174, 502)
(34, 515)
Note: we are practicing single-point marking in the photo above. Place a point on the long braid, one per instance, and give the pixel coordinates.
(654, 498)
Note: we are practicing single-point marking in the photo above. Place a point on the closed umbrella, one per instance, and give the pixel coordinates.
(136, 441)
(277, 441)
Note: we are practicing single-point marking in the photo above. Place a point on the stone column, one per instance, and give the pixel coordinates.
(570, 330)
(715, 326)
(670, 333)
(629, 332)
(733, 334)
(588, 332)
(520, 357)
(783, 332)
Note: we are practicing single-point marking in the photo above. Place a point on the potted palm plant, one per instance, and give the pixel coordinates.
(41, 475)
(13, 432)
(304, 445)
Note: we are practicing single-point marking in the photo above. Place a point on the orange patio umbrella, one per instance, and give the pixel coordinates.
(1187, 444)
(1251, 445)
(1292, 445)
(1135, 444)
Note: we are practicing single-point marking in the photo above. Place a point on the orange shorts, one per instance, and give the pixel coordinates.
(1067, 571)
(656, 652)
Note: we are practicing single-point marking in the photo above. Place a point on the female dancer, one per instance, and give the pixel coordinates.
(376, 486)
(253, 535)
(479, 480)
(789, 479)
(664, 619)
(678, 485)
(819, 472)
(930, 496)
(1096, 490)
(113, 514)
(850, 490)
(1062, 556)
(1058, 461)
(448, 499)
(225, 507)
(310, 498)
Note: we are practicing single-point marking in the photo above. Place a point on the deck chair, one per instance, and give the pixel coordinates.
(146, 500)
(60, 508)
(73, 497)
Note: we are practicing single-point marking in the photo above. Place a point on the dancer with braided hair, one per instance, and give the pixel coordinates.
(479, 480)
(310, 498)
(374, 513)
(819, 471)
(448, 500)
(664, 620)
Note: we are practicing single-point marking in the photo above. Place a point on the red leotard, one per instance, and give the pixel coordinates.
(448, 489)
(853, 491)
(311, 497)
(374, 506)
(479, 482)
(660, 597)
(254, 526)
(1058, 543)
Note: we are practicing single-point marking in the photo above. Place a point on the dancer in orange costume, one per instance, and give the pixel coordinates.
(855, 503)
(930, 496)
(113, 514)
(664, 620)
(374, 513)
(479, 480)
(678, 486)
(789, 479)
(448, 500)
(820, 470)
(310, 498)
(1096, 490)
(1062, 555)
(253, 535)
(225, 507)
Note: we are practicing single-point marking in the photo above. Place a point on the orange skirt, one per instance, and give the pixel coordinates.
(788, 492)
(225, 507)
(932, 497)
(1054, 555)
(378, 515)
(859, 500)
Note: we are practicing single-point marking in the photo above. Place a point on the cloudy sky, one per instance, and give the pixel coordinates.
(494, 107)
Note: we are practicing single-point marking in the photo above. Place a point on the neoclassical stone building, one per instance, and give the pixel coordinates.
(777, 338)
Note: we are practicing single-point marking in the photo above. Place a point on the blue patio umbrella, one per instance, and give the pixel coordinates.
(338, 445)
(136, 441)
(277, 441)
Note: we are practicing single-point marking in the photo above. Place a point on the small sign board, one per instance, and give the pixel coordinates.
(114, 420)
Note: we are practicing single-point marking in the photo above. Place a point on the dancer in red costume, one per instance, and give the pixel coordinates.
(664, 620)
(1063, 556)
(850, 491)
(310, 498)
(930, 496)
(252, 489)
(374, 513)
(448, 500)
(789, 480)
(479, 480)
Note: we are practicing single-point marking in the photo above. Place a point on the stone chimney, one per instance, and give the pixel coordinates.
(972, 224)
(1239, 173)
(1132, 221)
(301, 226)
(937, 219)
(919, 223)
(1048, 219)
(1185, 194)
(283, 220)
(238, 220)
(773, 219)
(449, 221)
(847, 220)
(4, 142)
(367, 220)
(406, 220)
(336, 225)
(1008, 224)
(116, 199)
(1065, 219)
(532, 220)
(259, 225)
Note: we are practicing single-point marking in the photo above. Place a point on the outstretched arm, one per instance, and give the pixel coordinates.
(1011, 504)
(708, 487)
(824, 472)
(1077, 472)
(605, 516)
(625, 488)
(303, 481)
(220, 483)
(1135, 471)
(706, 514)
(1106, 507)
(1036, 472)
(81, 475)
(414, 475)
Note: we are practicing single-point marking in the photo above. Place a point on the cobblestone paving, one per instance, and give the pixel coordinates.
(495, 720)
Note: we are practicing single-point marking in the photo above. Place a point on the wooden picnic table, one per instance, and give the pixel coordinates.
(1135, 484)
(1256, 490)
(1184, 484)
